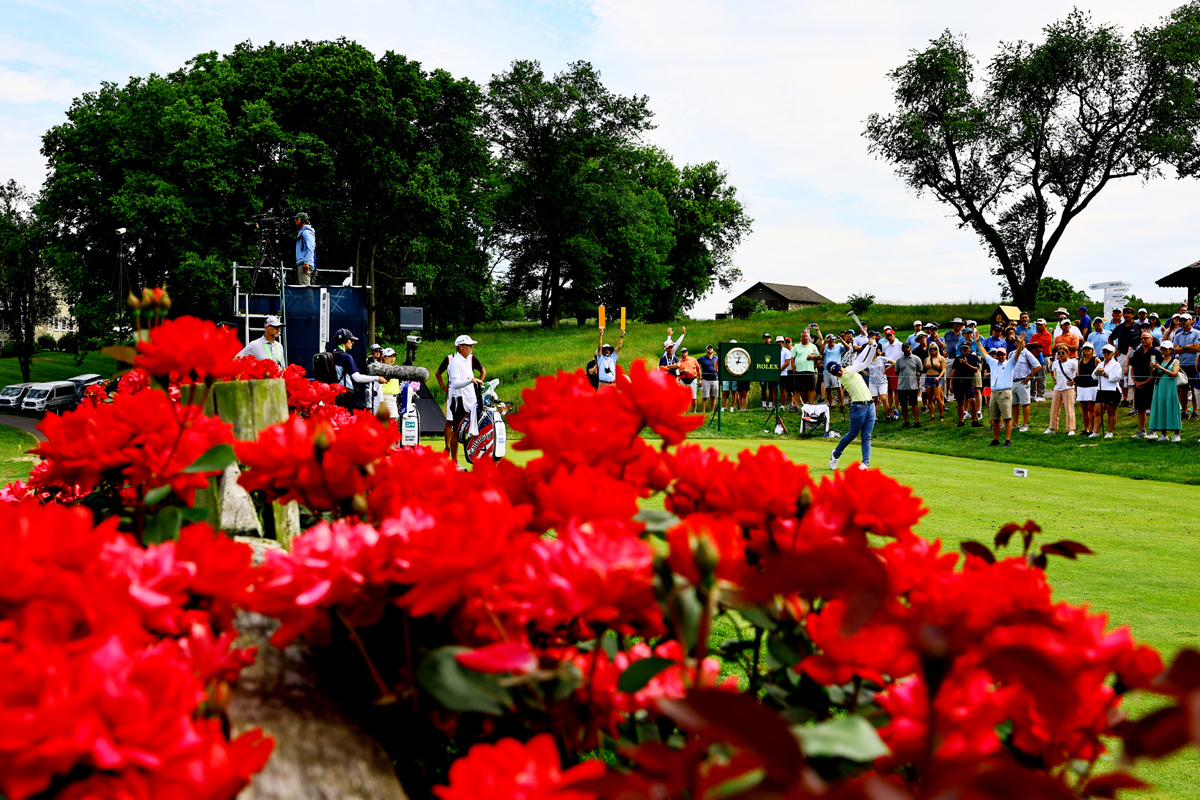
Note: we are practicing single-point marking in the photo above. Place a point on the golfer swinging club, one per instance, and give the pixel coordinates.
(862, 407)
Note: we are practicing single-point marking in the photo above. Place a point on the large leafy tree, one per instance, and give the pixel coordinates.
(385, 156)
(27, 295)
(1020, 154)
(559, 143)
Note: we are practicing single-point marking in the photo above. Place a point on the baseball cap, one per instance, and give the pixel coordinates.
(1064, 321)
(1166, 344)
(1082, 308)
(787, 338)
(301, 215)
(834, 368)
(972, 322)
(1108, 348)
(1040, 321)
(683, 349)
(1154, 314)
(389, 351)
(933, 325)
(1185, 315)
(606, 346)
(464, 339)
(1141, 311)
(344, 335)
(887, 328)
(274, 322)
(733, 341)
(1087, 346)
(916, 322)
(376, 346)
(766, 336)
(779, 338)
(1127, 308)
(708, 347)
(829, 337)
(966, 345)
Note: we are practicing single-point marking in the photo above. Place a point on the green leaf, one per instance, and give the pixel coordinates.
(163, 526)
(757, 617)
(216, 459)
(197, 514)
(121, 352)
(460, 689)
(783, 652)
(639, 673)
(850, 737)
(156, 494)
(656, 520)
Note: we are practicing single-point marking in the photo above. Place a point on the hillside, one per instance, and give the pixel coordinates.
(518, 354)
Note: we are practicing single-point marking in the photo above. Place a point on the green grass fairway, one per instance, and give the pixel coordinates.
(1143, 575)
(1121, 456)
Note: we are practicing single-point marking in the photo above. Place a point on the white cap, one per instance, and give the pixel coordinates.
(956, 321)
(464, 339)
(779, 338)
(916, 322)
(733, 341)
(1040, 321)
(1166, 343)
(1185, 315)
(389, 351)
(273, 322)
(1141, 311)
(1108, 348)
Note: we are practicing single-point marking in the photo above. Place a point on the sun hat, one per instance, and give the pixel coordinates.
(779, 338)
(1060, 310)
(957, 321)
(464, 339)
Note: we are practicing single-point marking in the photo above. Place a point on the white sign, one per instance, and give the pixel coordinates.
(1020, 472)
(1116, 294)
(323, 324)
(410, 288)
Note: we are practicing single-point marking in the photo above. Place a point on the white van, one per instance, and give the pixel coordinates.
(83, 381)
(55, 396)
(11, 396)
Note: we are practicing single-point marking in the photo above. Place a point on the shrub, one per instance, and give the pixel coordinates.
(860, 303)
(46, 342)
(8, 349)
(69, 343)
(743, 307)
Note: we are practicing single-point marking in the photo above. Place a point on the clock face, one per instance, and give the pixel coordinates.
(737, 361)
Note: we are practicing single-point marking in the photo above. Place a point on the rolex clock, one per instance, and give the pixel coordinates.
(737, 362)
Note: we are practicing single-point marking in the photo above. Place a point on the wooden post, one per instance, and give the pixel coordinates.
(250, 406)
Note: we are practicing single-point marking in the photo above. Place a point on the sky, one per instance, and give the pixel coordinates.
(776, 92)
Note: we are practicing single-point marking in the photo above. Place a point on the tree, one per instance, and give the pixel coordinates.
(1056, 290)
(558, 142)
(1020, 157)
(743, 307)
(387, 157)
(27, 297)
(860, 303)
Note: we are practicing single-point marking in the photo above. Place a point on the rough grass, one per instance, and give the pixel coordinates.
(52, 366)
(14, 463)
(1143, 535)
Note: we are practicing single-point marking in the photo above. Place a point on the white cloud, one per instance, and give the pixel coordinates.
(778, 92)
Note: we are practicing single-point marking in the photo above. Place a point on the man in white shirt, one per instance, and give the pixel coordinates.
(912, 337)
(267, 346)
(893, 350)
(1062, 314)
(460, 375)
(1025, 368)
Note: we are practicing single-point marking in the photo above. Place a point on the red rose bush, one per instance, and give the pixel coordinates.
(495, 628)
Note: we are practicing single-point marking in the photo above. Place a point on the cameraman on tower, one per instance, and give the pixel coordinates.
(306, 249)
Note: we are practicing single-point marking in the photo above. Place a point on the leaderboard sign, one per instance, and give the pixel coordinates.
(748, 362)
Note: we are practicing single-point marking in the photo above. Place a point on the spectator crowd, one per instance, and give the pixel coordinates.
(1092, 372)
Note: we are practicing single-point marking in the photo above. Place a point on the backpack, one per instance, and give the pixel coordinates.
(324, 370)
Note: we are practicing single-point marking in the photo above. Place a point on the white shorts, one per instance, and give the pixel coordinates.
(1086, 394)
(449, 413)
(831, 381)
(1123, 360)
(878, 391)
(693, 387)
(708, 389)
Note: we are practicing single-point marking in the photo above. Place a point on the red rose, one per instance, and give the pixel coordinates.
(192, 348)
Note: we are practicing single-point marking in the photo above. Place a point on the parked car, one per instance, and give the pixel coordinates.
(11, 396)
(83, 381)
(54, 396)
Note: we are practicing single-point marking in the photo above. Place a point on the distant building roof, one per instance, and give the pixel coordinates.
(793, 294)
(1186, 278)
